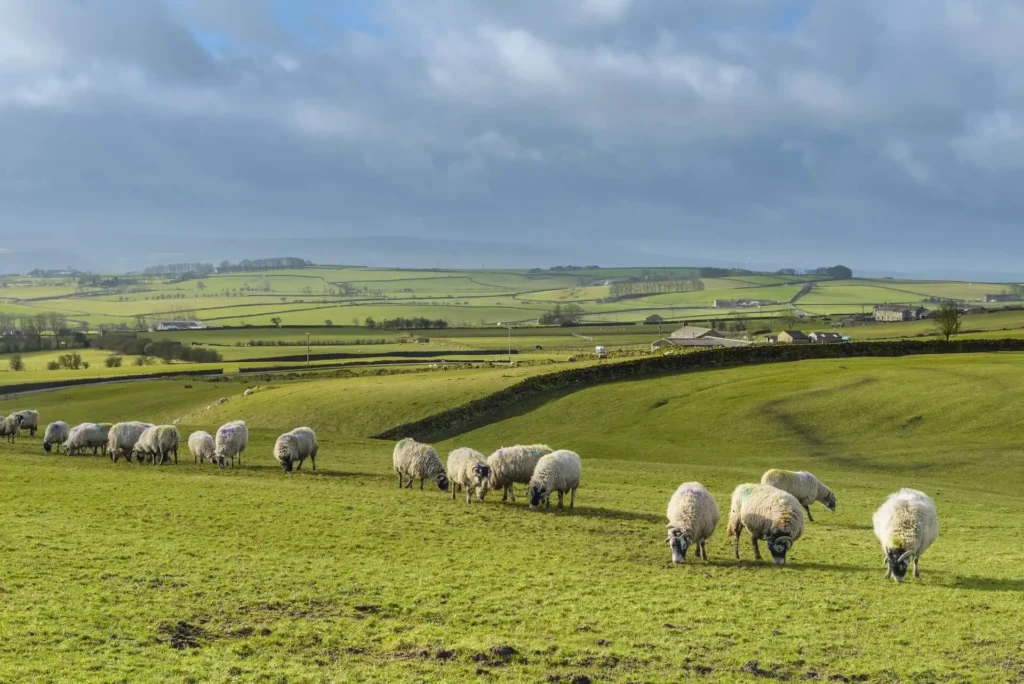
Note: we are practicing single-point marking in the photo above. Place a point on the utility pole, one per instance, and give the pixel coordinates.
(307, 348)
(510, 344)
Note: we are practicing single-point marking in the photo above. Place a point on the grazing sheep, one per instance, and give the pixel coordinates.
(418, 460)
(692, 519)
(230, 442)
(122, 438)
(907, 525)
(222, 400)
(87, 436)
(514, 464)
(56, 433)
(10, 427)
(559, 472)
(804, 486)
(29, 421)
(767, 513)
(157, 443)
(201, 446)
(295, 447)
(468, 469)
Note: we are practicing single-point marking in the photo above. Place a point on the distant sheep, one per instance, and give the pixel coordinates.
(156, 444)
(29, 421)
(467, 468)
(87, 436)
(10, 427)
(907, 525)
(558, 471)
(769, 514)
(222, 400)
(56, 434)
(510, 465)
(295, 447)
(692, 519)
(804, 486)
(230, 442)
(412, 459)
(122, 438)
(201, 446)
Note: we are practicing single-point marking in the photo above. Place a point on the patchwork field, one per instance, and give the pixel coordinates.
(128, 573)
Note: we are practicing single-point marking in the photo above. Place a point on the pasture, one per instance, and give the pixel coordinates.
(189, 573)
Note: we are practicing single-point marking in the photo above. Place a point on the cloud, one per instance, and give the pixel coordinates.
(795, 129)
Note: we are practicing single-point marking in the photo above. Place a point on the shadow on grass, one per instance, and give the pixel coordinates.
(320, 472)
(984, 583)
(581, 511)
(790, 565)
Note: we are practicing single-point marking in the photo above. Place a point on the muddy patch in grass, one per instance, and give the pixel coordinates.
(182, 634)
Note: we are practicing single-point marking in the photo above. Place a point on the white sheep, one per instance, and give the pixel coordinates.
(804, 486)
(692, 519)
(87, 436)
(558, 471)
(122, 438)
(10, 427)
(467, 468)
(418, 460)
(29, 421)
(230, 442)
(295, 447)
(769, 514)
(56, 433)
(201, 446)
(907, 525)
(222, 400)
(156, 444)
(510, 465)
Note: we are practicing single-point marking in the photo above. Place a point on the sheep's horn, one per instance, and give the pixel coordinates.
(787, 540)
(906, 557)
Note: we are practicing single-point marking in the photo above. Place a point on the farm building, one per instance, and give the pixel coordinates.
(161, 326)
(741, 303)
(896, 314)
(825, 337)
(697, 342)
(793, 337)
(654, 320)
(996, 298)
(689, 332)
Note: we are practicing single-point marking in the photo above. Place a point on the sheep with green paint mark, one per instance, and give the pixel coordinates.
(804, 486)
(769, 514)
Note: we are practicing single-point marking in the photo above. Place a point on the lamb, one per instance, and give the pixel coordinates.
(418, 460)
(10, 427)
(157, 443)
(86, 436)
(559, 472)
(467, 468)
(230, 442)
(907, 525)
(122, 438)
(514, 464)
(29, 421)
(767, 513)
(804, 486)
(295, 447)
(692, 519)
(56, 433)
(201, 446)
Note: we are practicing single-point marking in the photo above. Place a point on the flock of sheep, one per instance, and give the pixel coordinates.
(772, 511)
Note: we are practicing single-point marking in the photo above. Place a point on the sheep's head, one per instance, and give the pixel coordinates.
(220, 459)
(830, 502)
(47, 447)
(538, 496)
(898, 562)
(779, 544)
(680, 543)
(442, 482)
(286, 463)
(483, 474)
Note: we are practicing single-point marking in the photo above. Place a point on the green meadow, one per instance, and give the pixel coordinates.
(188, 573)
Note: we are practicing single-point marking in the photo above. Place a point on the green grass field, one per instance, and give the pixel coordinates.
(188, 573)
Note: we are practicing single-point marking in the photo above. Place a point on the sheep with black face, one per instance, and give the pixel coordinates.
(769, 514)
(559, 472)
(692, 519)
(292, 448)
(412, 459)
(56, 434)
(467, 468)
(906, 525)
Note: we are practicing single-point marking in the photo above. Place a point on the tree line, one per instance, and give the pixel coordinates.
(401, 323)
(168, 350)
(652, 287)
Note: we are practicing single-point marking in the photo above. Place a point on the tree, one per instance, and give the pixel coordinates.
(17, 363)
(948, 319)
(276, 320)
(329, 323)
(58, 325)
(114, 361)
(200, 285)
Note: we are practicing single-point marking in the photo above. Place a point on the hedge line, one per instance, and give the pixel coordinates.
(384, 355)
(449, 422)
(350, 364)
(51, 384)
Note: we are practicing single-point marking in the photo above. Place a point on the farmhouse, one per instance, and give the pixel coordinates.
(895, 314)
(825, 337)
(654, 319)
(995, 298)
(793, 337)
(689, 332)
(697, 342)
(177, 325)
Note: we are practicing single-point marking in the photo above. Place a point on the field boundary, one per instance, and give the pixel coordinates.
(452, 421)
(74, 382)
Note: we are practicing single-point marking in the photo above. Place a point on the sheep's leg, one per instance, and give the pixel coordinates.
(560, 495)
(917, 571)
(421, 484)
(400, 483)
(736, 541)
(572, 499)
(175, 457)
(757, 548)
(808, 509)
(455, 488)
(469, 494)
(511, 493)
(888, 572)
(299, 467)
(312, 460)
(703, 551)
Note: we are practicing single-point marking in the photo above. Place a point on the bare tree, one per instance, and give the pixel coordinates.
(58, 325)
(948, 319)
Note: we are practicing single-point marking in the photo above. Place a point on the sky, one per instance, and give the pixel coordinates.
(887, 136)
